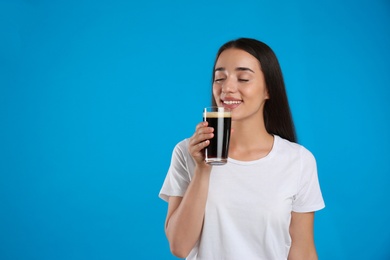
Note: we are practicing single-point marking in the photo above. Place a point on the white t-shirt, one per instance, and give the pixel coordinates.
(249, 204)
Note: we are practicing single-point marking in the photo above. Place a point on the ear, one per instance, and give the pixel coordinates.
(266, 96)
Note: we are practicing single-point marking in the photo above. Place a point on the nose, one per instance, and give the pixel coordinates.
(229, 86)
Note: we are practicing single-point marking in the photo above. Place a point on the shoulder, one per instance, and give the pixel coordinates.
(182, 146)
(180, 151)
(293, 148)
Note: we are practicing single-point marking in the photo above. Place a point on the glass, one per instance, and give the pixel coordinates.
(216, 153)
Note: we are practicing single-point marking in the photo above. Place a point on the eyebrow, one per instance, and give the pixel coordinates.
(237, 69)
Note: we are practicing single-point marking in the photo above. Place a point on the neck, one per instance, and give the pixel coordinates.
(245, 134)
(249, 141)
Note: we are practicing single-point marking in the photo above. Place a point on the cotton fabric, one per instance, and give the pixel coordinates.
(249, 204)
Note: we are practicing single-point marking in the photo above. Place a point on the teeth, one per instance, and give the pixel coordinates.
(231, 102)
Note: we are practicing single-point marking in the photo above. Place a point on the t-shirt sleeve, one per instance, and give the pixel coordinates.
(178, 176)
(309, 197)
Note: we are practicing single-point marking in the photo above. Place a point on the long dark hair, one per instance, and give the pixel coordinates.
(277, 114)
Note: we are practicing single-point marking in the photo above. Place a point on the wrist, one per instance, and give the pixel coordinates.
(203, 169)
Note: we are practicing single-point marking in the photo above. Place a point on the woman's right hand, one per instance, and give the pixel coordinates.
(186, 214)
(200, 140)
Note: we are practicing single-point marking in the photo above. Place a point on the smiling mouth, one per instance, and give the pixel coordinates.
(232, 102)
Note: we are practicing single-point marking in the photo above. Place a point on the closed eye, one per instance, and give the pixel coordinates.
(243, 80)
(219, 79)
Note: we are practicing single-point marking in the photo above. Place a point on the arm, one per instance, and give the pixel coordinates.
(185, 215)
(302, 235)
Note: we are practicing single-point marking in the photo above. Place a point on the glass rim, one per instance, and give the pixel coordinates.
(216, 109)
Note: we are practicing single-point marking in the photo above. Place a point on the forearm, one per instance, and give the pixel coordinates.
(184, 226)
(302, 253)
(302, 235)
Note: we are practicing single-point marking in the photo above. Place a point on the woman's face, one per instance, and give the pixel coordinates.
(239, 84)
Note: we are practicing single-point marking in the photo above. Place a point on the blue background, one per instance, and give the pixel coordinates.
(95, 94)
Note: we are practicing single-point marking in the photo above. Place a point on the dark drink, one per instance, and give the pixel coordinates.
(216, 153)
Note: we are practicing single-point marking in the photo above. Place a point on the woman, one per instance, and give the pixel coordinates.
(260, 205)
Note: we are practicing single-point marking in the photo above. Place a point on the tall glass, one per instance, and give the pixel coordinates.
(216, 153)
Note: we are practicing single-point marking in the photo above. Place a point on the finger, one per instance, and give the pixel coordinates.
(197, 141)
(202, 133)
(201, 125)
(197, 150)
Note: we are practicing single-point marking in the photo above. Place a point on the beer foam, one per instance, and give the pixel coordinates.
(216, 114)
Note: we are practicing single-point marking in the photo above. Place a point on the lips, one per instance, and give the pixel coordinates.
(231, 103)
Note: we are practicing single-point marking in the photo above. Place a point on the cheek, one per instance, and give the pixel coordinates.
(216, 91)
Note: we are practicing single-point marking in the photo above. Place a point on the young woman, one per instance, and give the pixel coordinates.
(260, 205)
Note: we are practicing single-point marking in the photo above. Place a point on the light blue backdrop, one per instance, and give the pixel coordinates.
(95, 94)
